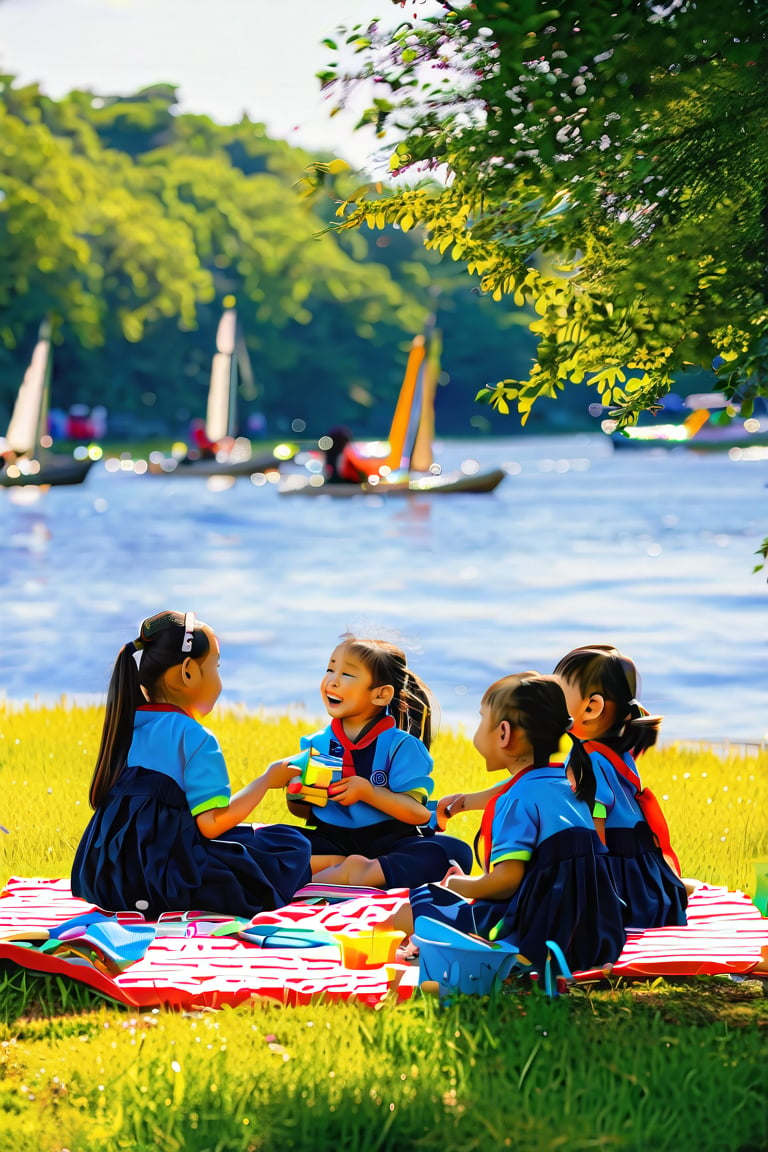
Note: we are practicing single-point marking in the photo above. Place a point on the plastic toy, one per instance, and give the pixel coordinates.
(317, 773)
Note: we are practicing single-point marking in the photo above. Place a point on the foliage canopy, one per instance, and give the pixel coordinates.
(606, 162)
(129, 224)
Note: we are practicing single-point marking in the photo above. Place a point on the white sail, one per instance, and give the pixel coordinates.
(30, 412)
(220, 417)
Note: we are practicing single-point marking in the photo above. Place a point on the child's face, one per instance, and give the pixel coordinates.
(208, 688)
(347, 689)
(488, 742)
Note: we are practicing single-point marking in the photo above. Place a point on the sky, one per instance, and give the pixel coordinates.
(225, 56)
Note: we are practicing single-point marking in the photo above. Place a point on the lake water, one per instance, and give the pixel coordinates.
(580, 544)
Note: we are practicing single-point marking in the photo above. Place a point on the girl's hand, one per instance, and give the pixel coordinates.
(351, 790)
(448, 806)
(280, 773)
(454, 870)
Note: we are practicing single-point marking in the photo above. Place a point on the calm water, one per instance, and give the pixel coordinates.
(579, 544)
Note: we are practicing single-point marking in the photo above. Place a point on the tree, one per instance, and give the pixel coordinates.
(606, 162)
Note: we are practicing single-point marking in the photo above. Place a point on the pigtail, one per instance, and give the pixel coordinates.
(641, 728)
(413, 708)
(580, 764)
(124, 696)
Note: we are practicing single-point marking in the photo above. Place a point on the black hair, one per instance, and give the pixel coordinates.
(164, 641)
(601, 668)
(536, 705)
(411, 705)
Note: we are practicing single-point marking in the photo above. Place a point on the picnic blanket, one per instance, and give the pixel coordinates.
(329, 941)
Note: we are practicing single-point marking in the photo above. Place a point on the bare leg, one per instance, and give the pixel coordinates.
(318, 863)
(354, 870)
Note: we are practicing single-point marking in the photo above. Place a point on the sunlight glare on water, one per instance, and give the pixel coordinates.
(652, 551)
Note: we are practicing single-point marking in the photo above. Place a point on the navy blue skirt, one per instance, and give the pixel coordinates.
(566, 895)
(654, 896)
(142, 850)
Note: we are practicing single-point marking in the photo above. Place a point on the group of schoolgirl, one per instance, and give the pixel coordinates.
(566, 851)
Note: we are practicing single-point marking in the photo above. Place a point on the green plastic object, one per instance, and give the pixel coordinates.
(760, 896)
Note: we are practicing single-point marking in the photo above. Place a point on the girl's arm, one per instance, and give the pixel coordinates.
(499, 884)
(398, 805)
(216, 821)
(448, 806)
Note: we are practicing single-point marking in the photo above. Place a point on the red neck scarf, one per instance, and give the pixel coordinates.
(483, 838)
(161, 708)
(366, 737)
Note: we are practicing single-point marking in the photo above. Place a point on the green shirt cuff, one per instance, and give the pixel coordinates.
(599, 812)
(523, 854)
(206, 805)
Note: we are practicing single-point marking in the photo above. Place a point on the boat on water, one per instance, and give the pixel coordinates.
(220, 452)
(702, 421)
(403, 464)
(26, 453)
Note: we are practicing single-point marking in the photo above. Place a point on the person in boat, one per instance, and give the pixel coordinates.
(338, 467)
(601, 687)
(545, 872)
(167, 833)
(375, 829)
(203, 448)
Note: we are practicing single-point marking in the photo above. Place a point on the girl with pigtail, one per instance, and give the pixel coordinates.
(545, 873)
(166, 834)
(601, 687)
(375, 828)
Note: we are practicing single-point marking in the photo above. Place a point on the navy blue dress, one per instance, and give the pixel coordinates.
(142, 850)
(566, 894)
(654, 896)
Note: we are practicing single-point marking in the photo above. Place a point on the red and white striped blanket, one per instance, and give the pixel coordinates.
(183, 965)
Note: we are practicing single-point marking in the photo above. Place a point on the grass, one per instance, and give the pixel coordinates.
(655, 1066)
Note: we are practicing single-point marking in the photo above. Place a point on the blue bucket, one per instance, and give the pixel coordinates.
(461, 963)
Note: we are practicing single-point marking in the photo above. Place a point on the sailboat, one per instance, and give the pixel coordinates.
(229, 360)
(403, 463)
(27, 437)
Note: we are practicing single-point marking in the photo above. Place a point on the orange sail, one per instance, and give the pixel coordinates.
(409, 443)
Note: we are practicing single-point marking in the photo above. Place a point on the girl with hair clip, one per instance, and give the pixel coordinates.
(545, 872)
(601, 687)
(374, 830)
(166, 834)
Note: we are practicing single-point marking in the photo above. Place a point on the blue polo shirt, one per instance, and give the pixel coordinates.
(614, 793)
(540, 804)
(395, 760)
(176, 745)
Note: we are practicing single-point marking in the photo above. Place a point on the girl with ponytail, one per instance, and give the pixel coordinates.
(545, 873)
(166, 834)
(601, 687)
(375, 829)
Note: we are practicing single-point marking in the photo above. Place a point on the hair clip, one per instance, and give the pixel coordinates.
(189, 631)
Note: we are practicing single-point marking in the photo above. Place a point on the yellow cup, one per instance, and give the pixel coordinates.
(368, 949)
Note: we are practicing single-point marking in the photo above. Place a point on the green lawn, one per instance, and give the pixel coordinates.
(642, 1068)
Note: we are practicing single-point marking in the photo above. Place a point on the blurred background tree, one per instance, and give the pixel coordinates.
(130, 224)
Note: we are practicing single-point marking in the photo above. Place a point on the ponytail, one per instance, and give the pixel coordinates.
(580, 764)
(124, 696)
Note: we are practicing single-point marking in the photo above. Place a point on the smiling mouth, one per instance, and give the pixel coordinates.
(333, 700)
